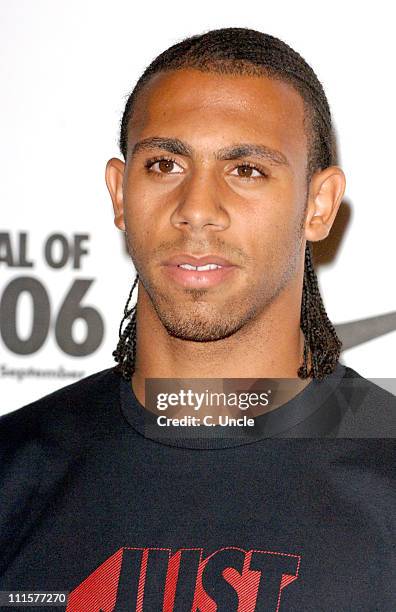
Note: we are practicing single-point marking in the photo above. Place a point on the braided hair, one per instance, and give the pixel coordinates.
(243, 51)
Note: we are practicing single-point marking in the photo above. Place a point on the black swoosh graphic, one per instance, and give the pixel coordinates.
(354, 333)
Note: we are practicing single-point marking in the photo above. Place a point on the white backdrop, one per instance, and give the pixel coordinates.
(66, 70)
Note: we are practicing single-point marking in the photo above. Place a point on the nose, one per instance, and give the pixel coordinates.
(199, 204)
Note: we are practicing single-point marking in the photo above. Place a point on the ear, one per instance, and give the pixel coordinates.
(114, 179)
(326, 191)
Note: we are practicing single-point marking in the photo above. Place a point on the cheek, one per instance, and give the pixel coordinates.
(276, 212)
(136, 223)
(137, 206)
(274, 229)
(144, 201)
(146, 227)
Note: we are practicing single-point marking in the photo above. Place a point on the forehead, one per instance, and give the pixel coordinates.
(207, 106)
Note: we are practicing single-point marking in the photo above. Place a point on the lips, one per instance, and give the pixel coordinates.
(193, 260)
(198, 279)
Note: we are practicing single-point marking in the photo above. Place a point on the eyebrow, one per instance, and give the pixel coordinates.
(237, 151)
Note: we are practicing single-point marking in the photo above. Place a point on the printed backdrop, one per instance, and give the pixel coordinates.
(66, 71)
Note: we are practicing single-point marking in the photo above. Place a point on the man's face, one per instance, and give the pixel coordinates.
(202, 200)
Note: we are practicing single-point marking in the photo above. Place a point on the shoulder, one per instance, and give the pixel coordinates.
(62, 410)
(369, 409)
(39, 441)
(42, 442)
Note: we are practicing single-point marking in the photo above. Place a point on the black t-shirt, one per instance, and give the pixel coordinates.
(297, 516)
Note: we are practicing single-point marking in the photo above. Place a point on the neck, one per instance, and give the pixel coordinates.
(270, 346)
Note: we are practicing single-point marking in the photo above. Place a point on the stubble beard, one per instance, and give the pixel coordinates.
(199, 319)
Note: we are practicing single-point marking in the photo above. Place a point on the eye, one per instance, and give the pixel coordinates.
(248, 171)
(164, 165)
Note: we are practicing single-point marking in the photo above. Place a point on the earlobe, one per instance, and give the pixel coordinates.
(114, 176)
(326, 191)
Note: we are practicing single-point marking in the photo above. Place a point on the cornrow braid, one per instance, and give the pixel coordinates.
(243, 51)
(320, 337)
(125, 352)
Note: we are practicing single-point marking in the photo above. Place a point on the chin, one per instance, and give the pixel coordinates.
(200, 328)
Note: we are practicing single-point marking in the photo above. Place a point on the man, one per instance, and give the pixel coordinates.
(229, 176)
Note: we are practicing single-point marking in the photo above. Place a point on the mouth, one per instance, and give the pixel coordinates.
(199, 279)
(198, 272)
